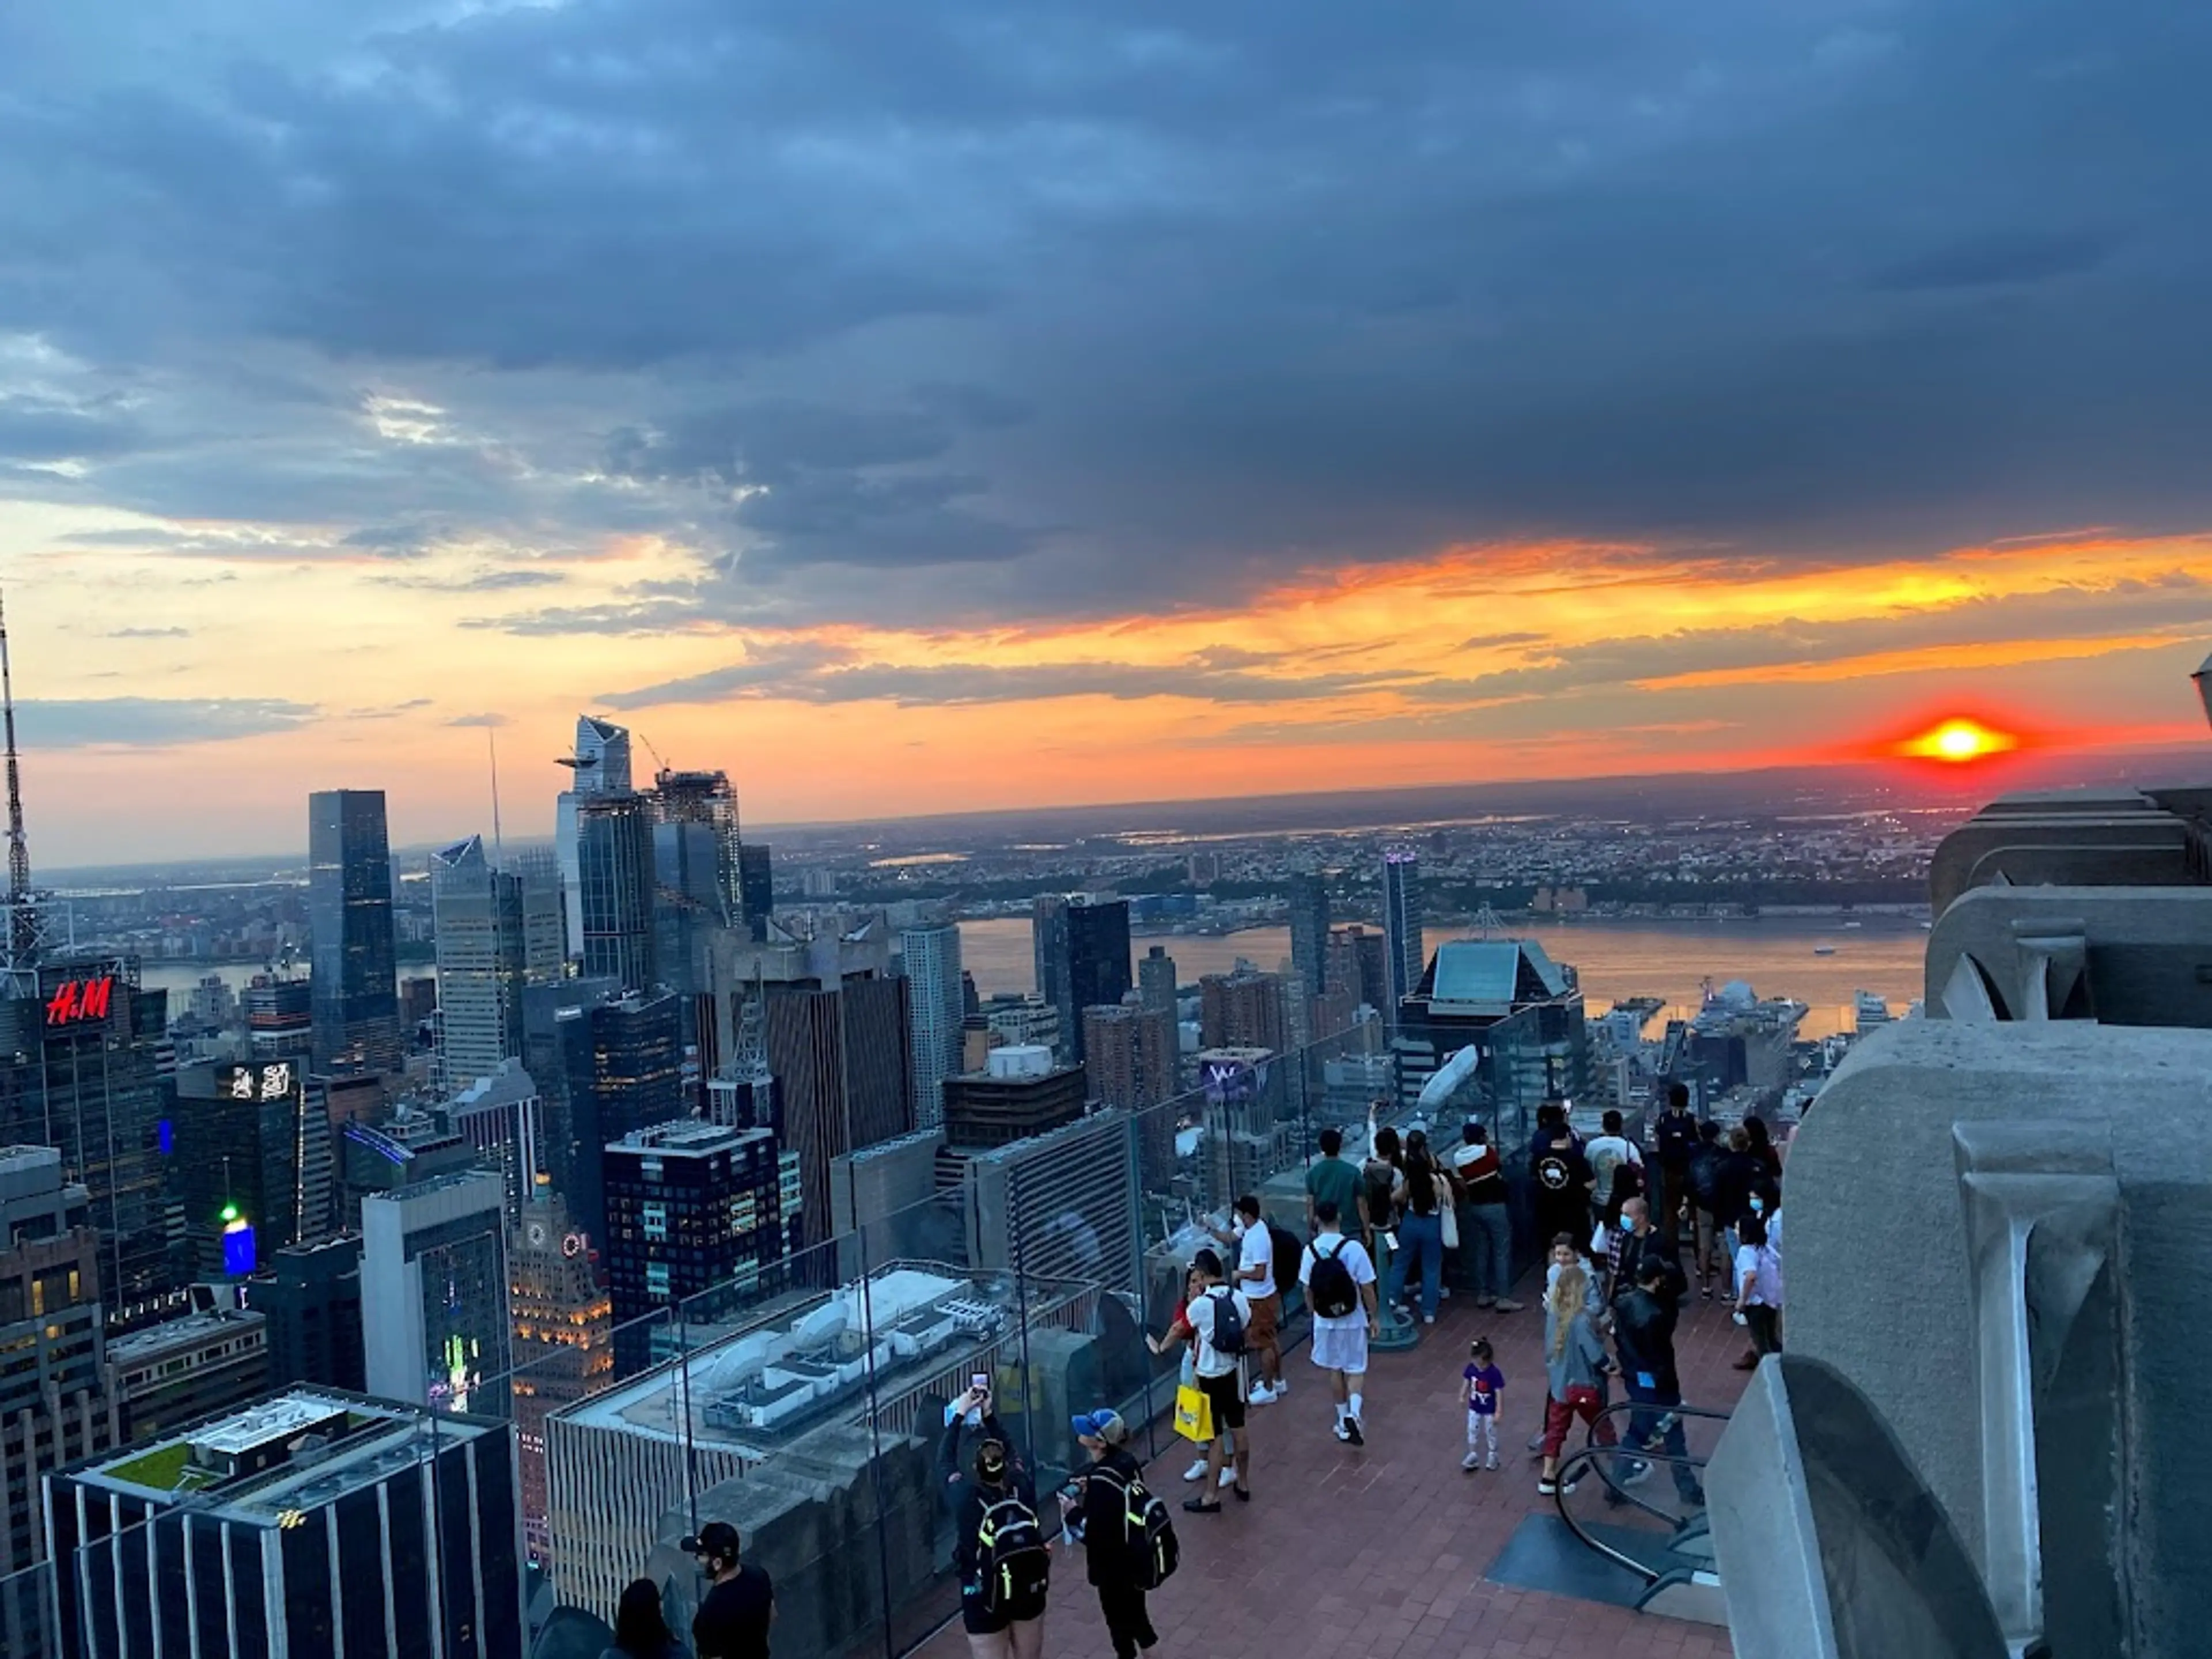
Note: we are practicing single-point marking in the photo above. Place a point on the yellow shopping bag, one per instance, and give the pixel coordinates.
(1194, 1414)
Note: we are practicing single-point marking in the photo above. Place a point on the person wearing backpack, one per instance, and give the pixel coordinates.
(1128, 1541)
(1339, 1278)
(998, 1546)
(1219, 1316)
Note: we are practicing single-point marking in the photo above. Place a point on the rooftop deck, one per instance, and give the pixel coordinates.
(1384, 1552)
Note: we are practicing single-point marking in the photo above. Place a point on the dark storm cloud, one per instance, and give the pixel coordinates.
(826, 675)
(1031, 307)
(154, 722)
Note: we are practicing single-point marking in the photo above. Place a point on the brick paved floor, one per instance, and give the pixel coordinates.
(1380, 1553)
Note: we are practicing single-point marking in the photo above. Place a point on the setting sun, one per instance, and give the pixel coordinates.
(1959, 740)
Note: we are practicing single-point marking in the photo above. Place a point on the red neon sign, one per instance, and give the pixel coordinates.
(77, 1002)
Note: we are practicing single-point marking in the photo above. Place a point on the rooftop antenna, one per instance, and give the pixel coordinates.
(19, 967)
(498, 841)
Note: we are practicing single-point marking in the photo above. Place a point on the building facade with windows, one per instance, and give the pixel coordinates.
(355, 985)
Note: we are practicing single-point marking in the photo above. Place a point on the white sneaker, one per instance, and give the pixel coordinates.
(1263, 1395)
(1196, 1471)
(1228, 1478)
(1470, 1462)
(1491, 1463)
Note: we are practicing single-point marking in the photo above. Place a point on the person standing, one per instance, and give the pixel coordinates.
(1559, 1176)
(1704, 1200)
(1339, 1281)
(1611, 1153)
(1674, 1138)
(1574, 1366)
(1003, 1581)
(734, 1618)
(641, 1626)
(1180, 1334)
(1739, 1172)
(1219, 1316)
(1334, 1179)
(1420, 1195)
(1759, 1288)
(1643, 1320)
(1638, 1241)
(1255, 1243)
(1110, 1555)
(1482, 1386)
(1486, 1224)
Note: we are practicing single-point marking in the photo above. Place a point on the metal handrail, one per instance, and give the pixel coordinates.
(1587, 1458)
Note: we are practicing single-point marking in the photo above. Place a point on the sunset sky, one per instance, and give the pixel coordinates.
(910, 406)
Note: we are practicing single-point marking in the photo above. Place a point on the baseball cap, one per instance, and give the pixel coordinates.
(1101, 1425)
(716, 1538)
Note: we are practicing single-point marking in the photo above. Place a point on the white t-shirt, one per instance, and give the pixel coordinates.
(1606, 1154)
(1357, 1262)
(1209, 1362)
(1256, 1249)
(1747, 1264)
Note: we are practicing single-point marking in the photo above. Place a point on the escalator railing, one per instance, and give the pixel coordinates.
(1642, 1506)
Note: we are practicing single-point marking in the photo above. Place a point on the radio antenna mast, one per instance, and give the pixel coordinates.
(19, 965)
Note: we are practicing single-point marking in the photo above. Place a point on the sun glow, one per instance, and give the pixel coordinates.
(1958, 741)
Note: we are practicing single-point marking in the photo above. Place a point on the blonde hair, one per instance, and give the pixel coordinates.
(1570, 1297)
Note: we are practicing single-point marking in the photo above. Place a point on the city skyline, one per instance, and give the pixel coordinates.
(1170, 395)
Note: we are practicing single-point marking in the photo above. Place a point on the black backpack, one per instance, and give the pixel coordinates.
(1331, 1288)
(1011, 1564)
(1148, 1532)
(1227, 1335)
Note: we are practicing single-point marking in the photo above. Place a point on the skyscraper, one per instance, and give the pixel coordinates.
(433, 1292)
(1131, 1052)
(1155, 979)
(312, 1522)
(1310, 931)
(80, 1070)
(1081, 946)
(1019, 1093)
(614, 851)
(690, 1206)
(563, 1344)
(545, 914)
(54, 1401)
(755, 887)
(624, 1065)
(355, 983)
(503, 1117)
(689, 906)
(482, 961)
(312, 1300)
(601, 765)
(706, 800)
(932, 972)
(1405, 954)
(841, 1051)
(1243, 1010)
(280, 1017)
(250, 1166)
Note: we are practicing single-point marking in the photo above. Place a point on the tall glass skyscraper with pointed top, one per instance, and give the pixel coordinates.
(1404, 953)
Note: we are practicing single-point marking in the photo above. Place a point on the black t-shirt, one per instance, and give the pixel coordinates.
(732, 1621)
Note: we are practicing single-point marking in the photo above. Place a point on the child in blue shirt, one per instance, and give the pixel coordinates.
(1480, 1385)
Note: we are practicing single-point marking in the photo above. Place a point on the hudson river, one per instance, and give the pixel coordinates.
(1667, 959)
